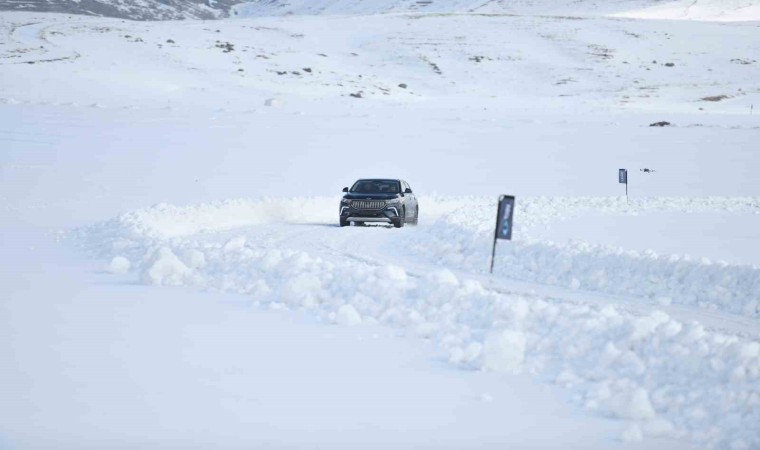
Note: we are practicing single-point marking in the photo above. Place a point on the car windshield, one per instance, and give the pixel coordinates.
(376, 187)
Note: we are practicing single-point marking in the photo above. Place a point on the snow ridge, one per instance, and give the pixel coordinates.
(462, 239)
(126, 9)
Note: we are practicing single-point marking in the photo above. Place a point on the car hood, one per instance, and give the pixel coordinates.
(375, 196)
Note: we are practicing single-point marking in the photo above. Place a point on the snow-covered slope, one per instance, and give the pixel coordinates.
(709, 10)
(545, 65)
(126, 9)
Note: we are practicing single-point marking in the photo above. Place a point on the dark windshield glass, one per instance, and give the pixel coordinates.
(376, 187)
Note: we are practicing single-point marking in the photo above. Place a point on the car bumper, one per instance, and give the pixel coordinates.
(388, 215)
(368, 219)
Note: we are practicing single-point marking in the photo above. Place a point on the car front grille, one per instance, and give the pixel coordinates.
(368, 204)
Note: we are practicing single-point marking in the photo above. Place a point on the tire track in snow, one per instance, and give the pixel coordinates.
(416, 266)
(369, 246)
(31, 45)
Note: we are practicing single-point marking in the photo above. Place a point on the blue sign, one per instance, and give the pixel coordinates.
(623, 176)
(504, 217)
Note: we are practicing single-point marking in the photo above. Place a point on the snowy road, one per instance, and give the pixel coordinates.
(630, 356)
(378, 246)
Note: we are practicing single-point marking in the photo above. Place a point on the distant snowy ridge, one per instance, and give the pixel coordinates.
(663, 376)
(718, 10)
(126, 9)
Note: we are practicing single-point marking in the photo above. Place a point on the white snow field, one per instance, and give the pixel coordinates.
(173, 274)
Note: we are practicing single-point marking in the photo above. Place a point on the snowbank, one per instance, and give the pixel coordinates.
(462, 239)
(119, 264)
(166, 221)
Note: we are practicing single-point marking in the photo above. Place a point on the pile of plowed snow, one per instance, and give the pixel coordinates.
(462, 239)
(665, 377)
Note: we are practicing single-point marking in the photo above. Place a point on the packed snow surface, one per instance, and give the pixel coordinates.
(202, 320)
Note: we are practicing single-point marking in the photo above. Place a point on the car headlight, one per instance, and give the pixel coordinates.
(393, 208)
(345, 201)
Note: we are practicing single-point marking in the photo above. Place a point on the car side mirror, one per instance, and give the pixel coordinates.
(407, 191)
(345, 189)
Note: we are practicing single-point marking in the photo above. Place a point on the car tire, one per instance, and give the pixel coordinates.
(398, 223)
(343, 223)
(416, 215)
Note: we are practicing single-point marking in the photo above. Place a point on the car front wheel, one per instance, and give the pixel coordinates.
(398, 223)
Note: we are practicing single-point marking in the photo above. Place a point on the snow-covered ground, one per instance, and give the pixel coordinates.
(174, 276)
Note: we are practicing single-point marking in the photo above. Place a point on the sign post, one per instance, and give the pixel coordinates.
(504, 216)
(623, 178)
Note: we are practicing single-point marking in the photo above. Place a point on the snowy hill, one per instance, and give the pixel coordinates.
(542, 64)
(127, 9)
